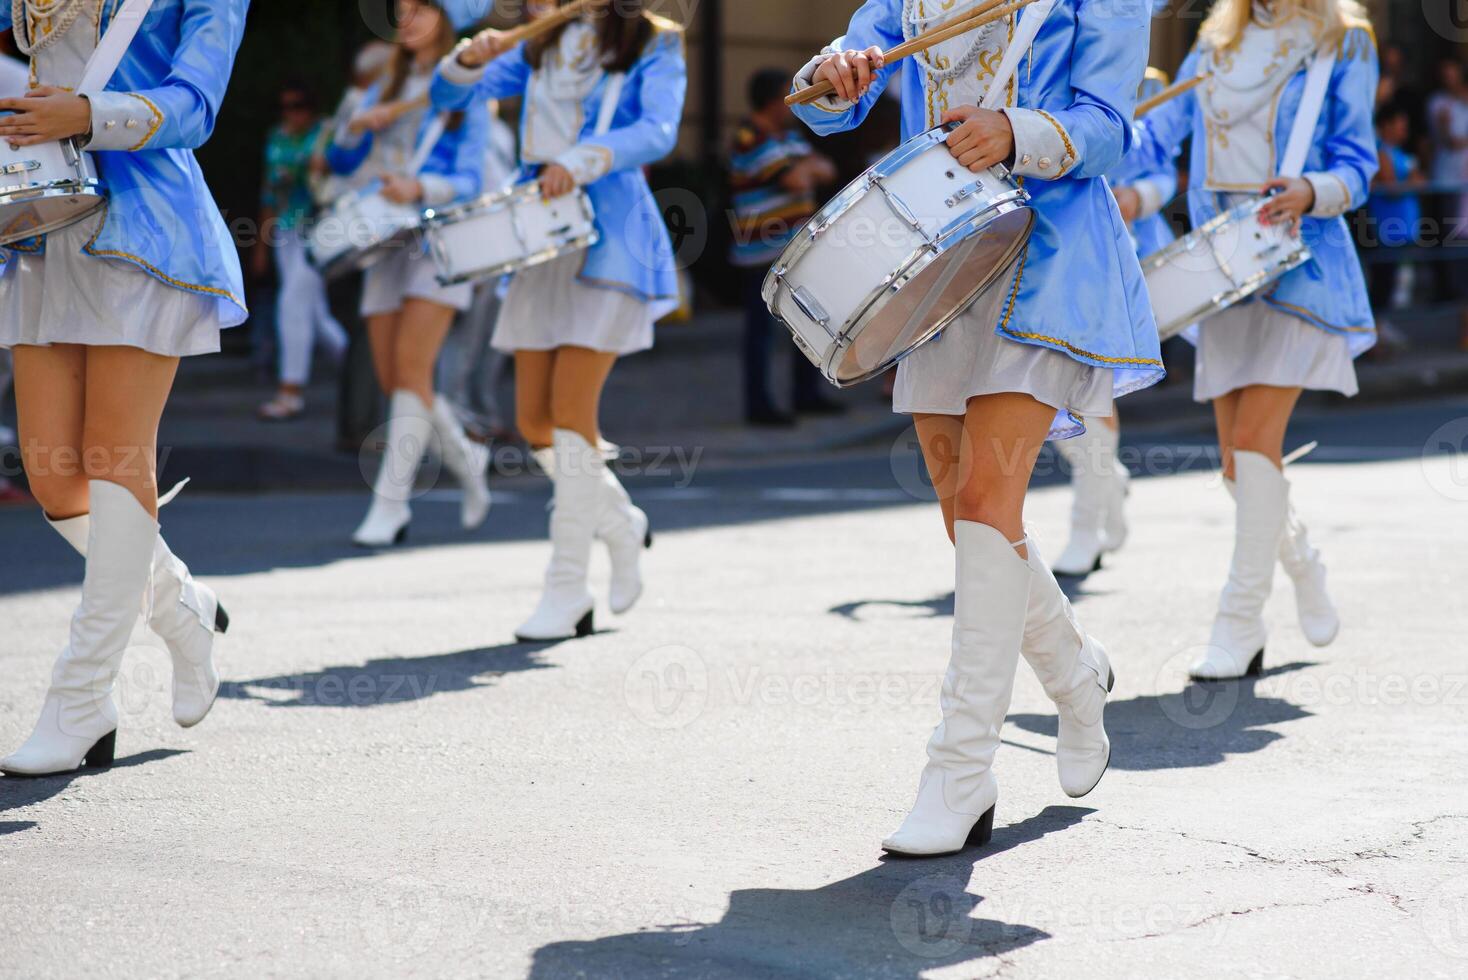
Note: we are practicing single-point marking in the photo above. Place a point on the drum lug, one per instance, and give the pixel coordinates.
(899, 208)
(24, 166)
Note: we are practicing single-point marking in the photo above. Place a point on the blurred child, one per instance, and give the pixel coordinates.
(1396, 216)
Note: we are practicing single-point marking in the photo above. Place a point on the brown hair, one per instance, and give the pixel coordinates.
(402, 61)
(623, 33)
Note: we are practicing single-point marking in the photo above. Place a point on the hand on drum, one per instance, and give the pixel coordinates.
(482, 49)
(983, 139)
(44, 115)
(375, 119)
(556, 181)
(401, 190)
(850, 72)
(1295, 198)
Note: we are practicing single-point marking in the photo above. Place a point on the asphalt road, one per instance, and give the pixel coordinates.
(390, 786)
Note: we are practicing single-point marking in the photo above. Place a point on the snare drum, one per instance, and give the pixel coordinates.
(508, 231)
(360, 230)
(888, 263)
(44, 188)
(1219, 265)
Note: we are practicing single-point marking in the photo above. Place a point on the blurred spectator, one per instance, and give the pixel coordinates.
(775, 178)
(1397, 217)
(469, 368)
(1448, 122)
(303, 318)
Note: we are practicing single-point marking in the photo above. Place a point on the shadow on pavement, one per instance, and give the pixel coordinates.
(899, 919)
(18, 792)
(1201, 725)
(933, 608)
(390, 681)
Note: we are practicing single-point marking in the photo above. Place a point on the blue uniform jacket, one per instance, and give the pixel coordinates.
(160, 214)
(454, 170)
(1330, 290)
(635, 253)
(1078, 287)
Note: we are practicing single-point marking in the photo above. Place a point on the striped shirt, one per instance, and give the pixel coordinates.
(766, 215)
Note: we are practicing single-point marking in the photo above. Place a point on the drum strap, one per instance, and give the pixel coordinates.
(1031, 20)
(609, 102)
(1312, 103)
(102, 65)
(431, 136)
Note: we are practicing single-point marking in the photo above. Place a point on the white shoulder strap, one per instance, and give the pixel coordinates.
(429, 140)
(1317, 83)
(610, 99)
(102, 65)
(1031, 20)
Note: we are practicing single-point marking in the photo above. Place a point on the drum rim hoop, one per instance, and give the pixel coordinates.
(579, 244)
(93, 189)
(917, 265)
(499, 201)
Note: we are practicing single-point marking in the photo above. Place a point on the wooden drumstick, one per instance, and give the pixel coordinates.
(1168, 94)
(971, 21)
(543, 25)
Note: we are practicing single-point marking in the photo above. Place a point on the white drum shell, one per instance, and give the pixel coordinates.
(859, 250)
(359, 230)
(1218, 266)
(44, 188)
(508, 231)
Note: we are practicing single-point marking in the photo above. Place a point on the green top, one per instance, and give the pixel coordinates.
(287, 187)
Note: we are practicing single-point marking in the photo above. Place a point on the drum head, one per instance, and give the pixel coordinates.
(905, 319)
(45, 214)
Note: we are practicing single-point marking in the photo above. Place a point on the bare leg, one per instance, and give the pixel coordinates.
(50, 398)
(127, 390)
(576, 386)
(533, 372)
(422, 329)
(1003, 435)
(941, 437)
(1263, 419)
(382, 336)
(1225, 410)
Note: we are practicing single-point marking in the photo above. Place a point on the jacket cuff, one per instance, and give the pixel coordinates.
(437, 190)
(1332, 198)
(806, 77)
(1042, 147)
(122, 121)
(1151, 198)
(587, 162)
(453, 72)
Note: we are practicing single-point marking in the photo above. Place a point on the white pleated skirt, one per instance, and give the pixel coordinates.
(64, 296)
(1256, 344)
(409, 273)
(548, 307)
(969, 359)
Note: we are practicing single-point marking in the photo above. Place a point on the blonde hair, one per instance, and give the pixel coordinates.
(1332, 18)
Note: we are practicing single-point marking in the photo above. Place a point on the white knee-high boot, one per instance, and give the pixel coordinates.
(466, 459)
(566, 605)
(958, 792)
(186, 615)
(1236, 647)
(622, 526)
(78, 723)
(409, 431)
(1076, 674)
(1319, 620)
(1098, 483)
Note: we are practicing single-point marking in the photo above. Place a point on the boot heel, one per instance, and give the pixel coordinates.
(100, 756)
(585, 627)
(221, 620)
(1110, 680)
(647, 541)
(402, 536)
(1256, 666)
(983, 831)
